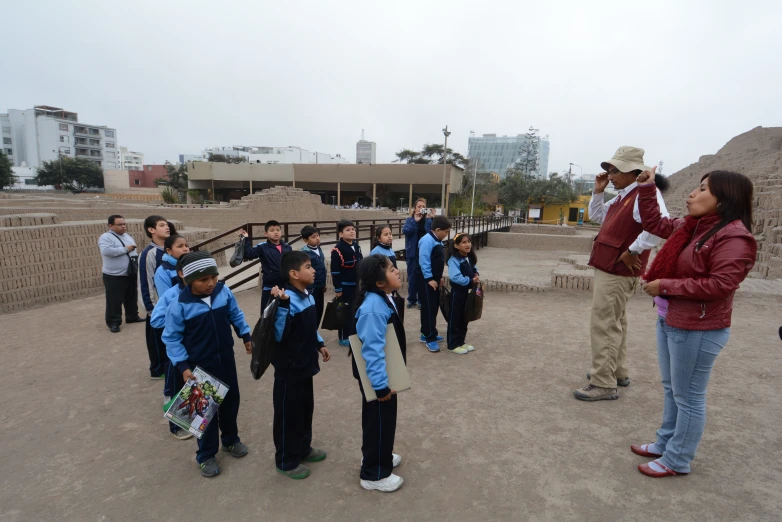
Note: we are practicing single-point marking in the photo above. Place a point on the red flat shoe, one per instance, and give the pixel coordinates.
(638, 450)
(649, 472)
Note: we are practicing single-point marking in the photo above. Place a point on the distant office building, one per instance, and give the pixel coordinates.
(366, 152)
(184, 158)
(276, 155)
(44, 133)
(498, 154)
(130, 160)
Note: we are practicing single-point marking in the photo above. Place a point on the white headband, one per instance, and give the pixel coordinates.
(199, 265)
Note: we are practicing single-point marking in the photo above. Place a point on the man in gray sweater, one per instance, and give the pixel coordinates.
(117, 248)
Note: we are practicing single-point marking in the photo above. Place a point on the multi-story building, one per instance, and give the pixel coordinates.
(184, 158)
(276, 155)
(498, 154)
(130, 160)
(366, 152)
(45, 133)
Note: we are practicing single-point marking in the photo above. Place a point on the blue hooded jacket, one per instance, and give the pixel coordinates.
(158, 319)
(166, 276)
(296, 333)
(385, 251)
(318, 261)
(197, 334)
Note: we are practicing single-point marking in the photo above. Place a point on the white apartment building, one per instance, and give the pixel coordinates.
(366, 152)
(44, 133)
(130, 160)
(276, 155)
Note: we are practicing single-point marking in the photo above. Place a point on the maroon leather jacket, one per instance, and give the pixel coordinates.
(701, 298)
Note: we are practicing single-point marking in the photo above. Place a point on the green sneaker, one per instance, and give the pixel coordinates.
(300, 472)
(210, 468)
(461, 350)
(237, 451)
(316, 455)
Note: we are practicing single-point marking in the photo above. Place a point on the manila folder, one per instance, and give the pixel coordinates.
(398, 377)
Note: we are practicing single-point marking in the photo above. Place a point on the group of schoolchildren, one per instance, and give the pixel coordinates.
(191, 313)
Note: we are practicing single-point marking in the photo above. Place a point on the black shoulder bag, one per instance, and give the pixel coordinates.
(132, 260)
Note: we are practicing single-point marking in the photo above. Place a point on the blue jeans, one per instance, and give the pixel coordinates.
(686, 358)
(412, 283)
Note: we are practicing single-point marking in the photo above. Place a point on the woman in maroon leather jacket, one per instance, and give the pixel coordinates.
(693, 279)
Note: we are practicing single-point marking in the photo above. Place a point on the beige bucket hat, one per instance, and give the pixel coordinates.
(626, 159)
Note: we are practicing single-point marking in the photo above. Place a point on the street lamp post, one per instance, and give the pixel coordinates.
(582, 175)
(474, 179)
(446, 133)
(401, 203)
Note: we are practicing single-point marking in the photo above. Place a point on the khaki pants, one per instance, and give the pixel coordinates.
(608, 327)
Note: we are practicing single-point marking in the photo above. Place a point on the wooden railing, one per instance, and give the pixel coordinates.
(478, 228)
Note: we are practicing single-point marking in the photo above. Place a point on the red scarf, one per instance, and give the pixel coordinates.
(664, 265)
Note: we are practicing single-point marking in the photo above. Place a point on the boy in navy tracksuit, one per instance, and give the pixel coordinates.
(463, 272)
(198, 333)
(344, 257)
(270, 253)
(375, 311)
(157, 230)
(295, 362)
(431, 265)
(312, 236)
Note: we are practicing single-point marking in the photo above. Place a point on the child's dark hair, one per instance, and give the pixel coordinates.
(151, 222)
(379, 232)
(170, 240)
(472, 257)
(307, 231)
(441, 222)
(293, 260)
(271, 223)
(343, 224)
(171, 229)
(371, 270)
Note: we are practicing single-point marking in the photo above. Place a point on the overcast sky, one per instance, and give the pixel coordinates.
(676, 78)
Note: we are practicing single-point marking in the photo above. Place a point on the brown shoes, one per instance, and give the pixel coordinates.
(593, 393)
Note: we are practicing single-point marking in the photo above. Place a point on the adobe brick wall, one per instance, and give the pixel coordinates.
(55, 263)
(526, 228)
(540, 242)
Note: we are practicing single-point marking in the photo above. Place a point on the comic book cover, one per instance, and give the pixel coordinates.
(193, 408)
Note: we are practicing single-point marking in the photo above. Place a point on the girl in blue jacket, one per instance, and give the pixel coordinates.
(462, 272)
(375, 310)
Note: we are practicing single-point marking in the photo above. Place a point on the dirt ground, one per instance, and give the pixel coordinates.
(493, 435)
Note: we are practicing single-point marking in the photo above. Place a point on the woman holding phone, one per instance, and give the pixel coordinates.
(416, 226)
(693, 279)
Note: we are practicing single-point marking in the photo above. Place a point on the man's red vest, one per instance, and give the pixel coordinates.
(618, 232)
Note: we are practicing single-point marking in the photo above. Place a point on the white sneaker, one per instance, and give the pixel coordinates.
(469, 347)
(388, 484)
(396, 460)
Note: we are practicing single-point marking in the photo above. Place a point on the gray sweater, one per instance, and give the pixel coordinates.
(115, 259)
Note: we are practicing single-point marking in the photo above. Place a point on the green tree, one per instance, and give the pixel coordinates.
(518, 190)
(431, 153)
(7, 177)
(177, 176)
(528, 153)
(74, 174)
(222, 158)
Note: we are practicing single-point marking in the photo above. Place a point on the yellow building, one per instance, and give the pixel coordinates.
(556, 213)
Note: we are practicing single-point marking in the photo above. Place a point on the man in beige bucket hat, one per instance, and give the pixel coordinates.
(619, 256)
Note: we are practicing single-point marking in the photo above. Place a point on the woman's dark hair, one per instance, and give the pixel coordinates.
(734, 193)
(378, 232)
(371, 270)
(472, 257)
(662, 183)
(170, 240)
(171, 229)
